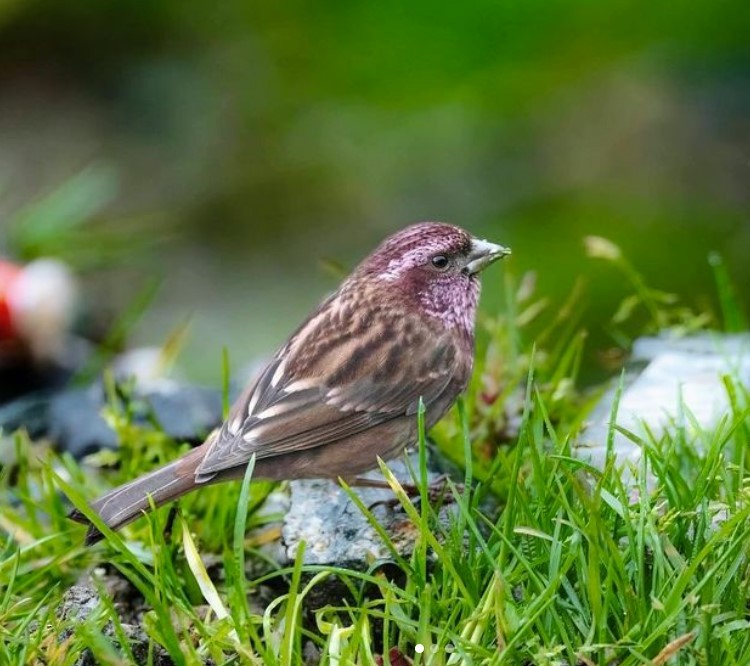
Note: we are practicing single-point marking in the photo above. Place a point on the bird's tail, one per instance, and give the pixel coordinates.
(129, 501)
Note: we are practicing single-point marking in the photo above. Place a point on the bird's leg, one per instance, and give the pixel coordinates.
(362, 482)
(436, 490)
(380, 484)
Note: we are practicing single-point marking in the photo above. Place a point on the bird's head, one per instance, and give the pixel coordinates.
(435, 266)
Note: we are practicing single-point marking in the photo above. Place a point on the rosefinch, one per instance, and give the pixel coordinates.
(345, 388)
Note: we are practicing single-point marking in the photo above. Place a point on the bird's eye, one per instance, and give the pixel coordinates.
(440, 261)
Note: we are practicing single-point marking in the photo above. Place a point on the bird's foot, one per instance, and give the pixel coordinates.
(437, 491)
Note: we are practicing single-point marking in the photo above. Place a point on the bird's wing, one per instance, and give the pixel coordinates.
(334, 379)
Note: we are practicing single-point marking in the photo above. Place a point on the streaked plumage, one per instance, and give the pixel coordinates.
(344, 389)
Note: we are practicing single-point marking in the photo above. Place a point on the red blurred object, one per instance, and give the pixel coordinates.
(8, 275)
(37, 307)
(37, 304)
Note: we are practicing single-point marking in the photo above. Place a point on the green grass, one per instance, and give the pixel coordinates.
(574, 568)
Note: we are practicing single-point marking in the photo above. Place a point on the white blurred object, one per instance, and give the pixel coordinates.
(681, 375)
(42, 301)
(147, 366)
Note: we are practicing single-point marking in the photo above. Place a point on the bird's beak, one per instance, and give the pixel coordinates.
(482, 254)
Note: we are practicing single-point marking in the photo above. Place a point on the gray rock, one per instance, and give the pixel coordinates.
(30, 412)
(75, 424)
(336, 532)
(82, 600)
(79, 601)
(184, 412)
(679, 374)
(71, 416)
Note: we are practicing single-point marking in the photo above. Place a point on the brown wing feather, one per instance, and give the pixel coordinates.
(339, 375)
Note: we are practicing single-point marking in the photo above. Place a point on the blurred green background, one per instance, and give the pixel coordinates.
(223, 150)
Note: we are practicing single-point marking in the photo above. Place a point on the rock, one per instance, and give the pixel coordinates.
(82, 600)
(44, 401)
(666, 373)
(336, 532)
(74, 417)
(79, 601)
(71, 416)
(75, 424)
(30, 412)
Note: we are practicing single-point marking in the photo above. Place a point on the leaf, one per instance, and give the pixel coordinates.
(626, 309)
(673, 648)
(602, 248)
(208, 590)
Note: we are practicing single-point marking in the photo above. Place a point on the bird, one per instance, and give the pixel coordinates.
(344, 390)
